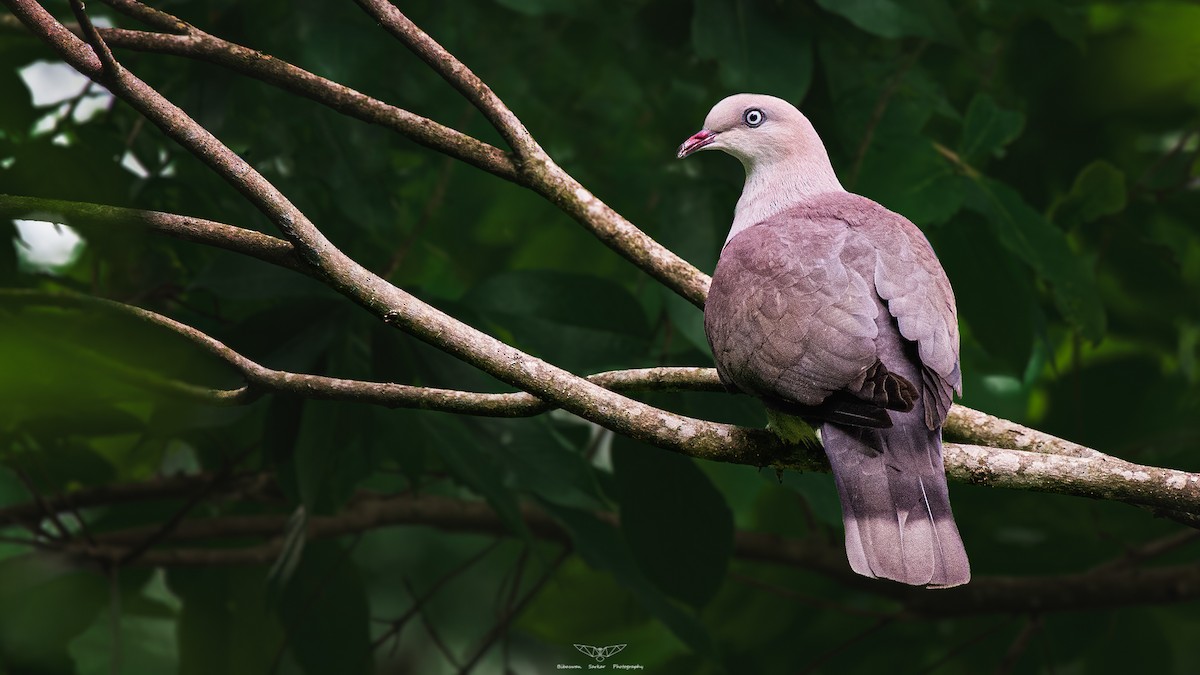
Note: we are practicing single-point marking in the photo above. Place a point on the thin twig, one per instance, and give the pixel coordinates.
(810, 601)
(815, 664)
(501, 626)
(455, 73)
(1033, 625)
(320, 588)
(984, 595)
(177, 517)
(959, 648)
(88, 217)
(1150, 550)
(419, 601)
(151, 16)
(434, 635)
(63, 533)
(881, 105)
(111, 67)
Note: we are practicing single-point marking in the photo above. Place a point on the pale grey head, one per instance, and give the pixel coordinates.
(754, 128)
(786, 163)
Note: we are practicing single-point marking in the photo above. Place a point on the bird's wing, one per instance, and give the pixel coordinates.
(909, 278)
(790, 321)
(912, 281)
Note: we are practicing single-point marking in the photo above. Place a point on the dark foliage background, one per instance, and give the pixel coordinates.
(1049, 149)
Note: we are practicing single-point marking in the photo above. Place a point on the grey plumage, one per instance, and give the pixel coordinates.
(825, 304)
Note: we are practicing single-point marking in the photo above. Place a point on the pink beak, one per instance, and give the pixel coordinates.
(698, 140)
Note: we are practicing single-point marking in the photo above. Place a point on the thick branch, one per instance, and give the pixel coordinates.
(1100, 477)
(1041, 462)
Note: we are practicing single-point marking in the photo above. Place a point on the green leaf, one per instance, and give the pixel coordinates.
(324, 612)
(1099, 190)
(858, 84)
(601, 546)
(225, 626)
(330, 457)
(909, 177)
(147, 645)
(987, 129)
(996, 296)
(541, 311)
(686, 319)
(547, 463)
(677, 524)
(931, 19)
(1043, 247)
(542, 7)
(818, 491)
(465, 456)
(44, 604)
(755, 51)
(557, 296)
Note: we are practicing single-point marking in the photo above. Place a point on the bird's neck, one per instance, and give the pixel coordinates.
(778, 184)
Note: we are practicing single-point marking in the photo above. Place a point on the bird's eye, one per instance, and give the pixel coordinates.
(753, 117)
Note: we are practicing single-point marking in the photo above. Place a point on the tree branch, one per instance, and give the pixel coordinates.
(395, 306)
(1041, 463)
(538, 172)
(454, 72)
(985, 594)
(82, 215)
(247, 486)
(187, 40)
(1078, 471)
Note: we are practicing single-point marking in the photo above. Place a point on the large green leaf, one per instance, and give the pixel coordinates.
(225, 625)
(1098, 190)
(932, 19)
(754, 49)
(45, 603)
(987, 129)
(1043, 247)
(541, 311)
(324, 613)
(603, 548)
(469, 459)
(997, 300)
(909, 177)
(330, 454)
(547, 463)
(677, 524)
(143, 626)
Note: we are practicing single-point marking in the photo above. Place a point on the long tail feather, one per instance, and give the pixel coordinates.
(895, 504)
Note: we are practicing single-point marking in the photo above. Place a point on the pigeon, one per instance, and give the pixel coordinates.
(831, 308)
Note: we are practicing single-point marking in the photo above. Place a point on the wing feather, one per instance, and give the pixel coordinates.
(792, 308)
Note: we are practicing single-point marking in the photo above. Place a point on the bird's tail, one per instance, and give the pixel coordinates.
(895, 504)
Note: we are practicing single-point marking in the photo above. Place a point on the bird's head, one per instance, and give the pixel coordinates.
(755, 128)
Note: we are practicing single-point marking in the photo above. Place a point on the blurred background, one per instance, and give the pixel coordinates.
(1050, 150)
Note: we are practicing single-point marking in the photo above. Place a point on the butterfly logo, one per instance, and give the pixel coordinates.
(600, 653)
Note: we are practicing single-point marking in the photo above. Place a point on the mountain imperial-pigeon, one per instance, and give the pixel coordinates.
(830, 307)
